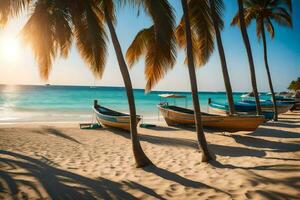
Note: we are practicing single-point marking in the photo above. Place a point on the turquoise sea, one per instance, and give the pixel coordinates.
(74, 103)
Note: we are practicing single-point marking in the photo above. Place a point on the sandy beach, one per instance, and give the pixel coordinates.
(60, 161)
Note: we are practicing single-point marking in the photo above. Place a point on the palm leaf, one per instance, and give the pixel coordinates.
(157, 42)
(90, 36)
(264, 12)
(42, 32)
(202, 30)
(12, 8)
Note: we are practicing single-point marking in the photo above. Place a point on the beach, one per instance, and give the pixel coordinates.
(61, 161)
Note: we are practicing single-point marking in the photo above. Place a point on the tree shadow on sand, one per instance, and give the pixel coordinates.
(58, 183)
(165, 174)
(251, 175)
(57, 133)
(163, 128)
(274, 146)
(269, 132)
(215, 148)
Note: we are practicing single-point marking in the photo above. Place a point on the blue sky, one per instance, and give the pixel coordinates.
(284, 57)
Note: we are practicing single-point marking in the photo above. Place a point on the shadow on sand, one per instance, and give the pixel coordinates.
(58, 183)
(165, 174)
(215, 148)
(61, 184)
(270, 132)
(266, 144)
(163, 128)
(254, 178)
(57, 133)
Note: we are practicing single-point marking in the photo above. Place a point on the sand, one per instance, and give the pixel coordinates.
(60, 161)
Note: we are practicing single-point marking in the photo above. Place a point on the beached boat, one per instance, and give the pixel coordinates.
(249, 106)
(241, 108)
(267, 105)
(175, 115)
(111, 118)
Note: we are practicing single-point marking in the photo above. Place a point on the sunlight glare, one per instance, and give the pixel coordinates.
(9, 49)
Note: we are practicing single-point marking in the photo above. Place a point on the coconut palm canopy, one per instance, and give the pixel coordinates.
(265, 13)
(54, 24)
(148, 43)
(295, 85)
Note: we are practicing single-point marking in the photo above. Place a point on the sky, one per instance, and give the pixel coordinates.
(18, 66)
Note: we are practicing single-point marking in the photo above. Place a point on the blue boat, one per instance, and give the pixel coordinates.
(243, 108)
(267, 105)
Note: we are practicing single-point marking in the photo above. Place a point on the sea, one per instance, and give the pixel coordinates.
(50, 103)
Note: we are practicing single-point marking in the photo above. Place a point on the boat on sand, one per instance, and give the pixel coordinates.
(175, 115)
(111, 118)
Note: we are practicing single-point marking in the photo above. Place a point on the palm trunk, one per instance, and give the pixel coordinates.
(223, 59)
(200, 133)
(269, 74)
(140, 157)
(250, 57)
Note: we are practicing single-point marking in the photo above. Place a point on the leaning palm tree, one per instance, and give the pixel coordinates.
(51, 28)
(157, 10)
(265, 13)
(193, 81)
(241, 19)
(216, 7)
(199, 47)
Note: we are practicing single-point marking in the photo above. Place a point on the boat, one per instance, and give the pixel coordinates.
(111, 118)
(241, 108)
(267, 105)
(175, 115)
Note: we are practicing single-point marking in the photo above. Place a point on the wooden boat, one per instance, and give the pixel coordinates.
(241, 108)
(111, 118)
(175, 115)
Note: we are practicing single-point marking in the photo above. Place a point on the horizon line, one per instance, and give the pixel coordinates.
(107, 86)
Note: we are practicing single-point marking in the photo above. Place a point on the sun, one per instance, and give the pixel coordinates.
(9, 48)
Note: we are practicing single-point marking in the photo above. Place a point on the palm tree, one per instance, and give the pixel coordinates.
(249, 53)
(52, 26)
(147, 42)
(215, 7)
(193, 81)
(265, 12)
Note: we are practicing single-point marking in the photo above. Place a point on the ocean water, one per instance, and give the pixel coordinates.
(74, 103)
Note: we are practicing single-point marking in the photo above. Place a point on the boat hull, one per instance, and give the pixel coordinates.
(242, 109)
(282, 107)
(119, 122)
(226, 123)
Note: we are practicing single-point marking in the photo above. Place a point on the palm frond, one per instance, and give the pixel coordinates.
(264, 12)
(43, 32)
(259, 27)
(270, 28)
(12, 8)
(139, 46)
(249, 15)
(157, 43)
(90, 37)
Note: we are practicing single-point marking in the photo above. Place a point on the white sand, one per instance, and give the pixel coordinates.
(60, 161)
